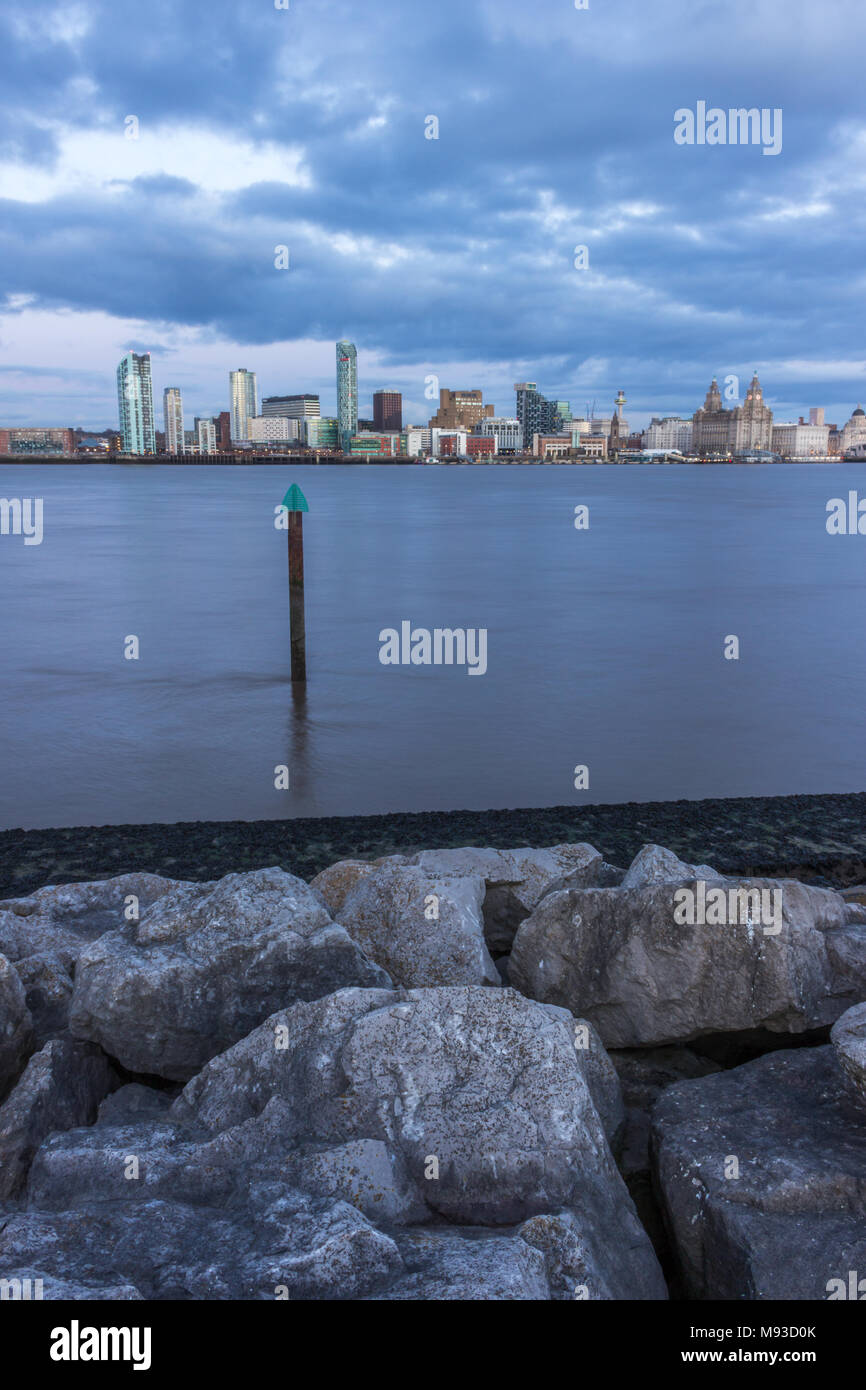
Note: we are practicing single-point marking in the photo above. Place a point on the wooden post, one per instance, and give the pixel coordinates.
(296, 504)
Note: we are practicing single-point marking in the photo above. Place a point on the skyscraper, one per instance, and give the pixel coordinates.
(460, 410)
(536, 414)
(387, 410)
(172, 406)
(347, 391)
(135, 404)
(244, 401)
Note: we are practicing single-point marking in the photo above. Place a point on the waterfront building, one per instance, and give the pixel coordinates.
(752, 422)
(418, 440)
(445, 442)
(304, 407)
(243, 394)
(801, 440)
(668, 432)
(854, 431)
(388, 411)
(206, 435)
(321, 432)
(32, 439)
(536, 414)
(135, 403)
(507, 432)
(816, 415)
(711, 424)
(347, 390)
(224, 432)
(563, 410)
(172, 410)
(551, 445)
(460, 410)
(378, 445)
(272, 429)
(480, 445)
(588, 445)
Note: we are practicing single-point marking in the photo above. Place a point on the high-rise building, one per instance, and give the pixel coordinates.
(172, 407)
(304, 407)
(205, 429)
(135, 404)
(244, 401)
(347, 391)
(388, 410)
(460, 410)
(536, 414)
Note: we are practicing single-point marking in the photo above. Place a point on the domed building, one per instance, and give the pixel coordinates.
(855, 430)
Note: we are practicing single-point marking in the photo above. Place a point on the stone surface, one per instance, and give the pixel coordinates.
(795, 1218)
(16, 1026)
(47, 981)
(204, 965)
(63, 918)
(34, 1284)
(421, 927)
(654, 864)
(61, 1087)
(643, 1074)
(619, 957)
(848, 1036)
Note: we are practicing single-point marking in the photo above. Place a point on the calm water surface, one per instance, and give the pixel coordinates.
(605, 646)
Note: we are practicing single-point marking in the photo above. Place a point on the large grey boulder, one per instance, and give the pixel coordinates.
(626, 959)
(61, 1087)
(16, 1026)
(848, 1036)
(204, 965)
(62, 918)
(654, 864)
(423, 928)
(47, 982)
(761, 1174)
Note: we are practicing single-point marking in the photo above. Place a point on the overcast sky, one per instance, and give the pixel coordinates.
(261, 127)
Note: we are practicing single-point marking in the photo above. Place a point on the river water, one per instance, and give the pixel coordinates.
(605, 646)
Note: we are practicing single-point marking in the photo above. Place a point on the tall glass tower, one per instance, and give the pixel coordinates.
(347, 391)
(135, 404)
(172, 406)
(244, 401)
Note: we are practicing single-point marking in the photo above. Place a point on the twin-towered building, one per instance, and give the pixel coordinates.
(717, 430)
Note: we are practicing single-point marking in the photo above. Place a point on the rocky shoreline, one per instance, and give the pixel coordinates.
(519, 1073)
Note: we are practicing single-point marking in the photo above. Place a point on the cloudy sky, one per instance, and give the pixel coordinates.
(305, 127)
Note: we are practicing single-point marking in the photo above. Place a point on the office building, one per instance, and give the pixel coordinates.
(243, 394)
(135, 404)
(273, 429)
(321, 432)
(460, 410)
(304, 407)
(34, 440)
(668, 432)
(536, 414)
(205, 428)
(506, 430)
(388, 411)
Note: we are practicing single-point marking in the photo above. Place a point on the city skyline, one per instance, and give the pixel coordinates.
(437, 208)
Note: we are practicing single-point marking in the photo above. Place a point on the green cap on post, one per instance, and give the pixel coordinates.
(294, 500)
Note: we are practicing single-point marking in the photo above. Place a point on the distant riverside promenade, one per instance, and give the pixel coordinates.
(247, 458)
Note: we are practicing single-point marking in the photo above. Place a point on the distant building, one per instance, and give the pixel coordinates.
(480, 445)
(506, 430)
(418, 440)
(801, 440)
(224, 432)
(135, 403)
(321, 432)
(854, 432)
(172, 409)
(243, 394)
(545, 446)
(668, 432)
(35, 440)
(272, 429)
(388, 410)
(374, 445)
(447, 442)
(206, 435)
(536, 414)
(588, 445)
(460, 410)
(347, 390)
(618, 436)
(304, 407)
(746, 428)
